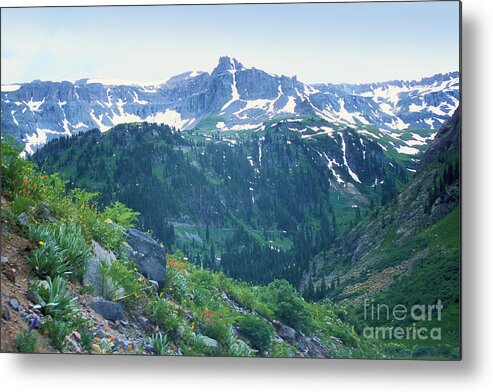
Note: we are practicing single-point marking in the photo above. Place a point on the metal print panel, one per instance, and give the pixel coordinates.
(264, 180)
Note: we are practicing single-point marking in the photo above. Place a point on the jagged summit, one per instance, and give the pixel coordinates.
(227, 63)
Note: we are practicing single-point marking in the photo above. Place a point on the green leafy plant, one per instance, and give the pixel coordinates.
(177, 283)
(14, 168)
(83, 326)
(288, 306)
(63, 244)
(37, 233)
(160, 343)
(59, 303)
(25, 342)
(22, 204)
(110, 288)
(283, 350)
(258, 331)
(49, 260)
(70, 238)
(215, 327)
(120, 282)
(57, 331)
(163, 314)
(236, 347)
(121, 215)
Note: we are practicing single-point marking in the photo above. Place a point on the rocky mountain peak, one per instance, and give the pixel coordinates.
(227, 63)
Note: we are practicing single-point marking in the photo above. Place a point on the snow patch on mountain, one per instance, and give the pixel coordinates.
(7, 88)
(351, 173)
(169, 117)
(407, 150)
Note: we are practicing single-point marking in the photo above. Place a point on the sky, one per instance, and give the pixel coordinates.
(352, 43)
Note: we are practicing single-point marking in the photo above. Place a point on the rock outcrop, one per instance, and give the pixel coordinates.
(108, 310)
(92, 276)
(148, 255)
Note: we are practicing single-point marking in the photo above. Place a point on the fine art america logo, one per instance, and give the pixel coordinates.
(419, 314)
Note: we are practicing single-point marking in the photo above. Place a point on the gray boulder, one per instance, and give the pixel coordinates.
(108, 310)
(210, 343)
(148, 255)
(92, 276)
(313, 347)
(285, 332)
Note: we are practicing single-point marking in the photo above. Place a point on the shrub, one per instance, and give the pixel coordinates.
(110, 288)
(120, 214)
(283, 350)
(258, 331)
(288, 306)
(22, 204)
(57, 331)
(203, 286)
(163, 314)
(25, 342)
(14, 168)
(160, 343)
(217, 328)
(120, 282)
(193, 344)
(236, 347)
(244, 294)
(49, 260)
(59, 303)
(177, 282)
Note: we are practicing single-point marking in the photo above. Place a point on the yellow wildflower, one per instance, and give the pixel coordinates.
(41, 243)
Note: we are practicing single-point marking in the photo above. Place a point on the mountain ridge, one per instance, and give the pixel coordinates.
(238, 98)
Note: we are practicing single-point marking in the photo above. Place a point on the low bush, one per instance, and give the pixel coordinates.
(57, 331)
(283, 350)
(163, 314)
(22, 204)
(121, 215)
(176, 283)
(120, 282)
(258, 331)
(287, 305)
(25, 342)
(217, 328)
(236, 347)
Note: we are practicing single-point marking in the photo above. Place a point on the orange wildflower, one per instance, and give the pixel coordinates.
(208, 313)
(25, 182)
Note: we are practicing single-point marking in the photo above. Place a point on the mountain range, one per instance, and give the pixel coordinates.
(230, 98)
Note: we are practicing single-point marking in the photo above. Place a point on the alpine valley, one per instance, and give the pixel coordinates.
(348, 192)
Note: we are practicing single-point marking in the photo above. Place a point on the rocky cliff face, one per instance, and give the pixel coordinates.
(231, 97)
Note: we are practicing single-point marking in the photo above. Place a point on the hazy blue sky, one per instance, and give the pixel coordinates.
(317, 42)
